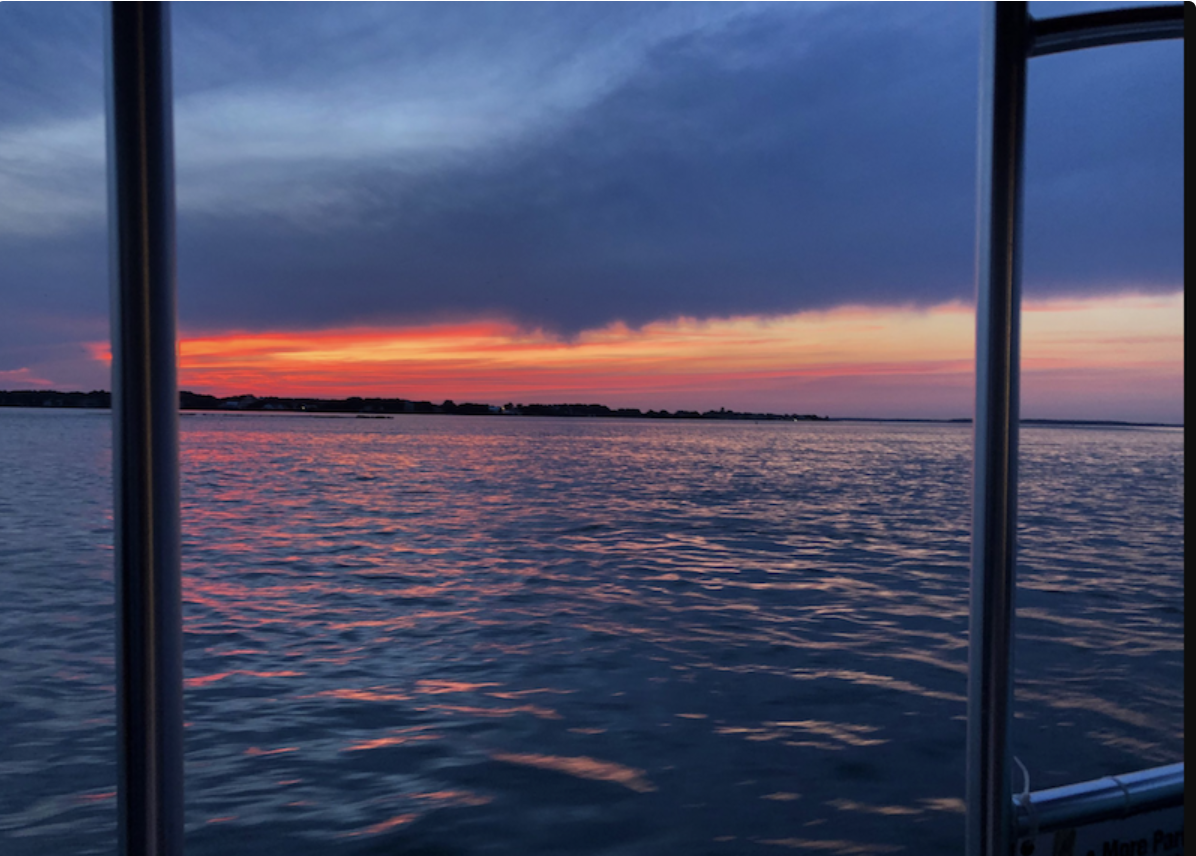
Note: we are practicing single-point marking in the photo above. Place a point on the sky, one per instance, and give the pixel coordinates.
(762, 207)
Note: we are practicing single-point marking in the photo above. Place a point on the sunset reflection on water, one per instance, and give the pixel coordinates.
(527, 635)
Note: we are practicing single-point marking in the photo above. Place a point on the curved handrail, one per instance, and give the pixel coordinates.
(1108, 798)
(1113, 27)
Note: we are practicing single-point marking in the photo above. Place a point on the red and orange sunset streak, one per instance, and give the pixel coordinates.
(851, 361)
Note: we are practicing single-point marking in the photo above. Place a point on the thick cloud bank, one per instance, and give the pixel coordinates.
(565, 166)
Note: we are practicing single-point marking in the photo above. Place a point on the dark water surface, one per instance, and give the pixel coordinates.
(453, 635)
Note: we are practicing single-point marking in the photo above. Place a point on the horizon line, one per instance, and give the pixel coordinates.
(626, 412)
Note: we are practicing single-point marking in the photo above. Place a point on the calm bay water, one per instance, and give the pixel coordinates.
(459, 635)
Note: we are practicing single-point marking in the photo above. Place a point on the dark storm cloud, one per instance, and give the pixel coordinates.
(569, 166)
(757, 168)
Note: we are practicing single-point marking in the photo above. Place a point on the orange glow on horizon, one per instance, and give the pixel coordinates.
(846, 361)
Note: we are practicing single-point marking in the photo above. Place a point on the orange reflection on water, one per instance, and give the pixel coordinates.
(865, 808)
(96, 797)
(510, 695)
(254, 750)
(844, 732)
(397, 820)
(411, 734)
(952, 805)
(203, 680)
(868, 679)
(445, 798)
(836, 735)
(400, 623)
(454, 797)
(427, 687)
(534, 710)
(369, 694)
(225, 597)
(582, 767)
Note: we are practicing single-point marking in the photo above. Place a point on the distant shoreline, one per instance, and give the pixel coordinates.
(1035, 421)
(383, 407)
(387, 407)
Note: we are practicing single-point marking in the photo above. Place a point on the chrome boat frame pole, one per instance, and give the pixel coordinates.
(1010, 38)
(149, 644)
(994, 486)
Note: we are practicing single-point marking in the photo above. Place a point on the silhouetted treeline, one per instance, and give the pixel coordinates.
(379, 406)
(50, 398)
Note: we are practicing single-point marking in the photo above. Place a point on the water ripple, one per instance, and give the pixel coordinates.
(459, 635)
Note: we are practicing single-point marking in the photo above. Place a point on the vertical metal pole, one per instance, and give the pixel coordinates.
(149, 668)
(994, 503)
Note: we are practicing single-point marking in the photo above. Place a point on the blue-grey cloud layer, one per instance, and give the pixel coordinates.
(569, 165)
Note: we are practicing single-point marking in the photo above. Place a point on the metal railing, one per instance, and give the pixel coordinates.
(1011, 38)
(1108, 798)
(145, 406)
